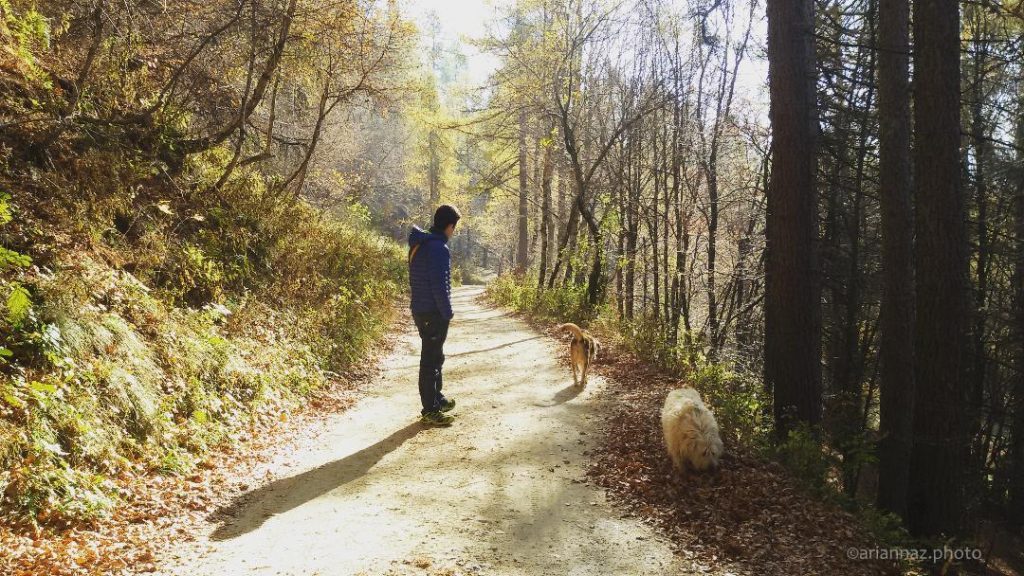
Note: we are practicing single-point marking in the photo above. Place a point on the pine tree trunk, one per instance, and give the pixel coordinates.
(1017, 444)
(936, 497)
(849, 384)
(792, 287)
(982, 266)
(897, 314)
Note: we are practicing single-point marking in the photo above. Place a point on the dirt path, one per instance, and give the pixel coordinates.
(500, 492)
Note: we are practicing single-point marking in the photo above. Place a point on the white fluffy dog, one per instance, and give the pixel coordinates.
(691, 433)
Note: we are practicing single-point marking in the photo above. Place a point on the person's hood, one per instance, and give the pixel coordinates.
(418, 236)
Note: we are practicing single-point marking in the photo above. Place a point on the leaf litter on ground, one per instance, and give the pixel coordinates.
(158, 512)
(748, 517)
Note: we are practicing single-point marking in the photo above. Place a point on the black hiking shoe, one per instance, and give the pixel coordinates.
(436, 419)
(448, 405)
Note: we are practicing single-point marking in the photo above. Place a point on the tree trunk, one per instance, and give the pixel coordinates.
(434, 171)
(644, 286)
(553, 218)
(667, 229)
(524, 215)
(936, 497)
(620, 295)
(595, 280)
(653, 229)
(568, 244)
(981, 160)
(792, 289)
(537, 216)
(711, 169)
(1017, 445)
(676, 187)
(850, 391)
(545, 222)
(563, 232)
(896, 354)
(631, 219)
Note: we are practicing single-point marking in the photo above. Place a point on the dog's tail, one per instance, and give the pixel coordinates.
(576, 330)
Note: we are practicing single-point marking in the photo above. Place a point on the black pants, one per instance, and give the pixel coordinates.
(433, 330)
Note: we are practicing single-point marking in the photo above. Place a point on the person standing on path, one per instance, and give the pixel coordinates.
(430, 286)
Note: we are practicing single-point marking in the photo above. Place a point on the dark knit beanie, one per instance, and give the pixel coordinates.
(445, 215)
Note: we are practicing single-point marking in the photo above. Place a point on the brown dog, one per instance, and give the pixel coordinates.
(582, 351)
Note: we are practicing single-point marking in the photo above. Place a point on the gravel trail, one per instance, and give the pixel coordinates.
(500, 492)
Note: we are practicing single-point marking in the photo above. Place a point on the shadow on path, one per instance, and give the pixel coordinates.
(249, 511)
(492, 348)
(562, 396)
(471, 352)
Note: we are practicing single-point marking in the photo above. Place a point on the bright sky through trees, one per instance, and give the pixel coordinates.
(463, 21)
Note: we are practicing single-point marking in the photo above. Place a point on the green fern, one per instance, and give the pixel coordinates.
(19, 303)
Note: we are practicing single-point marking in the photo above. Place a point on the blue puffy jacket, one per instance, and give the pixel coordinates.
(430, 274)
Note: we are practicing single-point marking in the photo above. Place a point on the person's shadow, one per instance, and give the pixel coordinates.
(248, 511)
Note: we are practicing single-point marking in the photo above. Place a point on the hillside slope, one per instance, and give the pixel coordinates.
(161, 295)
